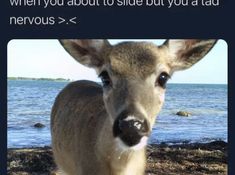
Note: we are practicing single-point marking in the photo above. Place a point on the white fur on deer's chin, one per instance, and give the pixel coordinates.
(143, 142)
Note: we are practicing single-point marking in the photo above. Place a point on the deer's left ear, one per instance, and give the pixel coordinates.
(86, 51)
(184, 53)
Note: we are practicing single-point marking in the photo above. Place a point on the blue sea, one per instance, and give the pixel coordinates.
(30, 102)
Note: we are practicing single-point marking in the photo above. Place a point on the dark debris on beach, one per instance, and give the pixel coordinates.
(186, 159)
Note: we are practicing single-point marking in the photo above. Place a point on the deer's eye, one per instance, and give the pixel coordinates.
(106, 81)
(162, 79)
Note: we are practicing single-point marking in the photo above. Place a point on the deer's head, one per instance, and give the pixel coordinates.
(134, 77)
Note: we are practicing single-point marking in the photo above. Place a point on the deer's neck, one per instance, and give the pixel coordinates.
(120, 160)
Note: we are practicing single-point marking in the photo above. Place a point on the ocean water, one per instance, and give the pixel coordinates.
(30, 102)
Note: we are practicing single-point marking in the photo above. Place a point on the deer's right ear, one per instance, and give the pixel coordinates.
(185, 53)
(86, 52)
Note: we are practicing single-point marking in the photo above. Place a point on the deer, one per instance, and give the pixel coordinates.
(103, 128)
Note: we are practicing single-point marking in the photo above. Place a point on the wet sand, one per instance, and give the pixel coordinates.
(196, 159)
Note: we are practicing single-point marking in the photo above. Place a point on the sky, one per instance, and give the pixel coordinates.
(48, 59)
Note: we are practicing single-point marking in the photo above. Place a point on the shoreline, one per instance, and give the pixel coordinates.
(184, 159)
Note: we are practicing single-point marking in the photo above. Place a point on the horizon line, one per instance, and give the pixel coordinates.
(70, 80)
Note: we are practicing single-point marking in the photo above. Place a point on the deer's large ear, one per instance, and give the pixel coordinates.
(86, 52)
(184, 53)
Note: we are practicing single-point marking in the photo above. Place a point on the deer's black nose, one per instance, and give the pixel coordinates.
(131, 130)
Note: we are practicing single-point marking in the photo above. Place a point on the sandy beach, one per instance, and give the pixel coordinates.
(196, 159)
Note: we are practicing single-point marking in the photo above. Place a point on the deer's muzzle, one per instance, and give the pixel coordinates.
(130, 128)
